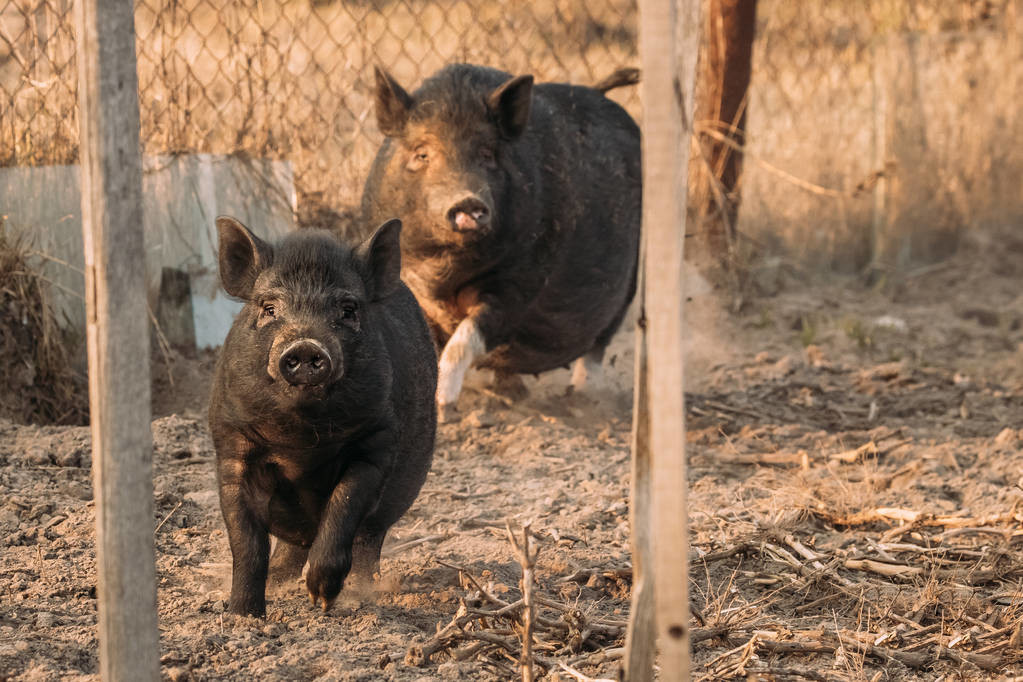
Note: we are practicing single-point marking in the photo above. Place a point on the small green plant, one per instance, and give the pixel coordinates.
(859, 332)
(808, 331)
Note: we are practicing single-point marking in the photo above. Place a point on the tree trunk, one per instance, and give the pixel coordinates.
(721, 102)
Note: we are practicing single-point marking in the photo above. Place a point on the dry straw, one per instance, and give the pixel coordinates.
(41, 382)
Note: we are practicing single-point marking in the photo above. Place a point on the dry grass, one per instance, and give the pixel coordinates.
(917, 95)
(41, 384)
(498, 634)
(805, 575)
(855, 504)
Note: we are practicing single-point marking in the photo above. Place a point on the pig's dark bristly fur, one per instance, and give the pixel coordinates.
(322, 409)
(521, 207)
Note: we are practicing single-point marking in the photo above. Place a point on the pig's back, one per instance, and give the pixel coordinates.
(592, 197)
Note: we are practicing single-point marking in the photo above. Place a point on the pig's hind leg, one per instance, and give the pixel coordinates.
(589, 367)
(366, 556)
(586, 370)
(286, 563)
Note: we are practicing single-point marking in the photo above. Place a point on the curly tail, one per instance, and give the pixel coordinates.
(619, 78)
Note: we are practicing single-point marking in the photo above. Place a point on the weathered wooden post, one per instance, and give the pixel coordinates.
(118, 339)
(722, 91)
(669, 46)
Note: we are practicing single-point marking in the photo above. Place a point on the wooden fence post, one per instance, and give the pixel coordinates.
(669, 46)
(117, 329)
(641, 638)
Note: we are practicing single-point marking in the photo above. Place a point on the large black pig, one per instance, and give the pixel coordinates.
(322, 411)
(521, 207)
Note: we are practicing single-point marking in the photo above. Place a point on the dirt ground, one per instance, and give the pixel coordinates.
(854, 507)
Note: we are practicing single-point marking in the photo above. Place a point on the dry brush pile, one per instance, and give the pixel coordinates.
(41, 380)
(856, 521)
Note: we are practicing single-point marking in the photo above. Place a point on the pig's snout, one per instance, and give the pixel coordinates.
(305, 363)
(468, 214)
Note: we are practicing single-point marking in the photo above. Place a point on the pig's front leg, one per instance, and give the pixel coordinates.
(490, 323)
(460, 352)
(354, 497)
(247, 535)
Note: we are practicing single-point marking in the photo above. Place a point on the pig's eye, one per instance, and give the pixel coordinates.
(269, 310)
(420, 159)
(487, 156)
(348, 314)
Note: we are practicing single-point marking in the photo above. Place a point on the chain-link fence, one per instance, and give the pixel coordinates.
(289, 79)
(866, 120)
(901, 116)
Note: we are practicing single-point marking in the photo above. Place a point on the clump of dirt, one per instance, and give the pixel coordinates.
(41, 384)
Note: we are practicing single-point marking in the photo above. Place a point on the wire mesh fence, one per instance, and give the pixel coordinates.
(865, 119)
(879, 131)
(289, 79)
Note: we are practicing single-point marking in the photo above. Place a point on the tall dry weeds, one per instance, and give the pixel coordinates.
(38, 373)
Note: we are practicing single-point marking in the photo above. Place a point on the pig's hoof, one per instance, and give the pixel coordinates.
(447, 413)
(326, 578)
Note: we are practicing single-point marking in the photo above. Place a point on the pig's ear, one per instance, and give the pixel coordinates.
(242, 256)
(392, 104)
(381, 258)
(509, 105)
